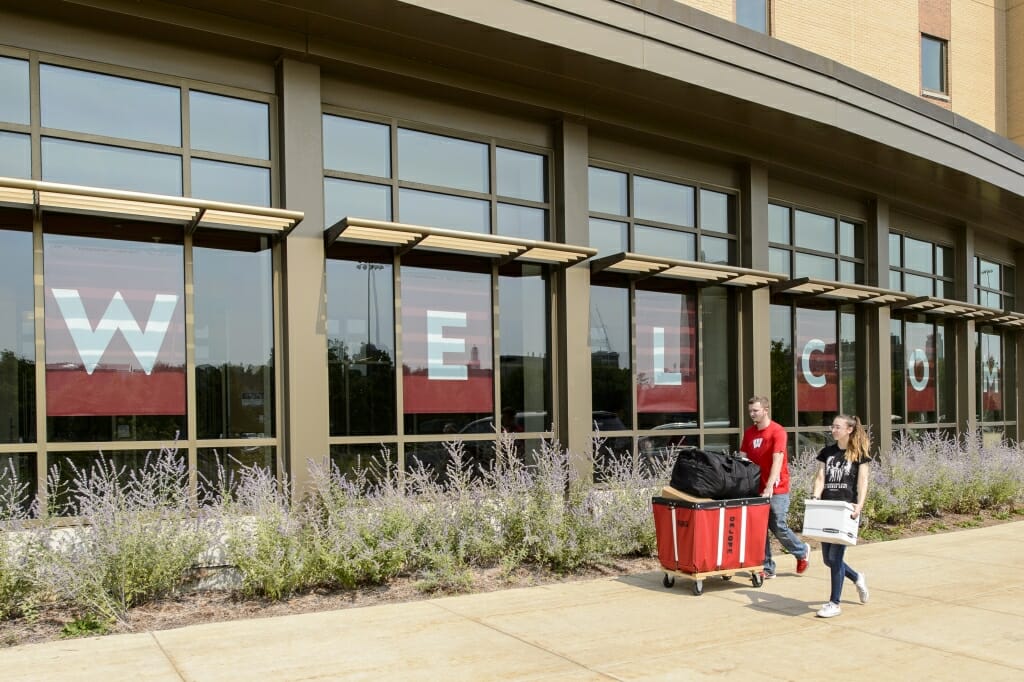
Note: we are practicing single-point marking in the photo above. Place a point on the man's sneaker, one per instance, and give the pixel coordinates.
(829, 610)
(802, 564)
(862, 588)
(768, 575)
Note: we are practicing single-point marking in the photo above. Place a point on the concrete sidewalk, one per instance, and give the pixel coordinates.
(943, 607)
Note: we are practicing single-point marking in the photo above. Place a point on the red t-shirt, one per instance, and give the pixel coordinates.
(760, 445)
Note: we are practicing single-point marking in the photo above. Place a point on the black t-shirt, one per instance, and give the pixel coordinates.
(840, 475)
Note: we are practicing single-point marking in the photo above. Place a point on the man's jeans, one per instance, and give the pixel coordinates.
(779, 527)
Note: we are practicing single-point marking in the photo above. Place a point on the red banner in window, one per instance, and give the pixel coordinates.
(817, 361)
(115, 327)
(920, 349)
(666, 357)
(446, 342)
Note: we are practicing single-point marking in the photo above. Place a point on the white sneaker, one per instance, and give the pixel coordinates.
(862, 587)
(829, 610)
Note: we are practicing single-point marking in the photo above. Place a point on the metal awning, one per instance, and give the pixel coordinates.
(640, 266)
(839, 291)
(944, 307)
(406, 237)
(188, 212)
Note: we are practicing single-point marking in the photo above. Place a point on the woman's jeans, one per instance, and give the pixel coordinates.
(833, 557)
(778, 510)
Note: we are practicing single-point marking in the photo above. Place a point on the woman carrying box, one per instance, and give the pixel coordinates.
(843, 475)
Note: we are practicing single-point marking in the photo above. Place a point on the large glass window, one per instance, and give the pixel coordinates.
(361, 344)
(923, 391)
(995, 400)
(920, 267)
(806, 244)
(17, 329)
(813, 368)
(525, 363)
(234, 336)
(438, 181)
(115, 331)
(660, 217)
(993, 284)
(666, 358)
(14, 105)
(84, 163)
(15, 155)
(229, 125)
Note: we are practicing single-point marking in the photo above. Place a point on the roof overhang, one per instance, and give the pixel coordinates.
(640, 266)
(404, 237)
(944, 307)
(190, 213)
(839, 291)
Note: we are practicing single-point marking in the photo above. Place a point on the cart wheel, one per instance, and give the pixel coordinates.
(726, 577)
(698, 587)
(757, 579)
(668, 581)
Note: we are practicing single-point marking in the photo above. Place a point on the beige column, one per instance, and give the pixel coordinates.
(574, 422)
(874, 356)
(304, 391)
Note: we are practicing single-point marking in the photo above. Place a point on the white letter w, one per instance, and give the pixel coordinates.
(92, 343)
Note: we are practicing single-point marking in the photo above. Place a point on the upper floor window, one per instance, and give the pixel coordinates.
(993, 284)
(933, 64)
(920, 267)
(658, 217)
(438, 180)
(126, 133)
(753, 14)
(805, 244)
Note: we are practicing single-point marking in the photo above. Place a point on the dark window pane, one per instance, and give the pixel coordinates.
(897, 380)
(782, 364)
(666, 357)
(522, 221)
(1008, 276)
(101, 384)
(347, 198)
(848, 360)
(714, 250)
(95, 103)
(521, 174)
(447, 364)
(15, 155)
(815, 231)
(990, 377)
(523, 354)
(66, 465)
(361, 347)
(664, 202)
(610, 354)
(14, 105)
(607, 191)
(714, 211)
(920, 375)
(17, 330)
(371, 458)
(356, 146)
(943, 261)
(933, 64)
(234, 336)
(818, 267)
(656, 241)
(446, 161)
(229, 125)
(230, 182)
(444, 210)
(753, 14)
(18, 471)
(82, 163)
(220, 468)
(817, 375)
(608, 237)
(778, 224)
(718, 326)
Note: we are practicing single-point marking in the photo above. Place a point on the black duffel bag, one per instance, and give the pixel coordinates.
(712, 474)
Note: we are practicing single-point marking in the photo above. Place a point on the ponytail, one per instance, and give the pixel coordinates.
(859, 444)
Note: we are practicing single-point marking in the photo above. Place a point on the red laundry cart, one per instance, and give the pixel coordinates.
(699, 540)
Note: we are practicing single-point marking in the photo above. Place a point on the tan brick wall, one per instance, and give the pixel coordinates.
(877, 37)
(977, 72)
(725, 9)
(1015, 71)
(933, 16)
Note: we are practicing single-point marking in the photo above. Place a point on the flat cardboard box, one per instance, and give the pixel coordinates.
(829, 521)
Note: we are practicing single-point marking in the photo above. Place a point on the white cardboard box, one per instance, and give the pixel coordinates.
(829, 521)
